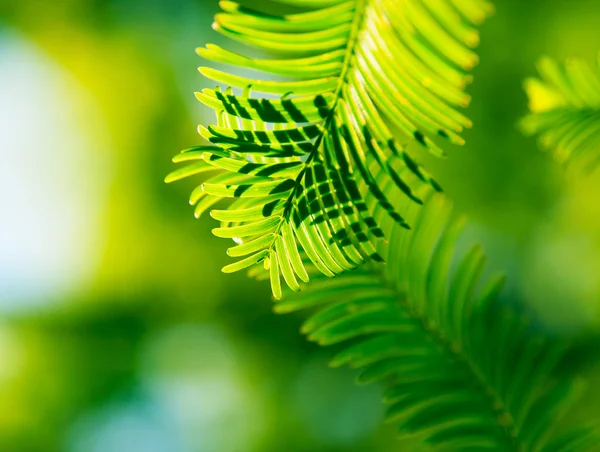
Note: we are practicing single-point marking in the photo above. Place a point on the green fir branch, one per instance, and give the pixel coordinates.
(463, 370)
(298, 156)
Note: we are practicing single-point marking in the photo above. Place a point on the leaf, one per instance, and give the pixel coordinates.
(315, 144)
(565, 111)
(247, 262)
(462, 370)
(579, 439)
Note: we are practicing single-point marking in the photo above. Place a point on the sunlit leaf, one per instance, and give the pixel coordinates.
(325, 124)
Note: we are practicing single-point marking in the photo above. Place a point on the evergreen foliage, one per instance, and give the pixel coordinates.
(462, 369)
(565, 111)
(302, 156)
(313, 156)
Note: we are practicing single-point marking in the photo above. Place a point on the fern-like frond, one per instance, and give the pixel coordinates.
(565, 110)
(463, 370)
(300, 147)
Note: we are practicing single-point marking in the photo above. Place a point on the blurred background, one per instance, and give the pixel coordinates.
(117, 330)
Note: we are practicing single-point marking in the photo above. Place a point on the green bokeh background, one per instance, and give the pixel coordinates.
(117, 330)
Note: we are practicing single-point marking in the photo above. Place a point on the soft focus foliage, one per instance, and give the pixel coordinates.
(565, 108)
(462, 370)
(147, 343)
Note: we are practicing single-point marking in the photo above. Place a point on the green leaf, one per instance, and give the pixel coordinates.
(274, 275)
(308, 131)
(189, 170)
(462, 370)
(583, 438)
(284, 263)
(245, 263)
(266, 226)
(565, 111)
(251, 246)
